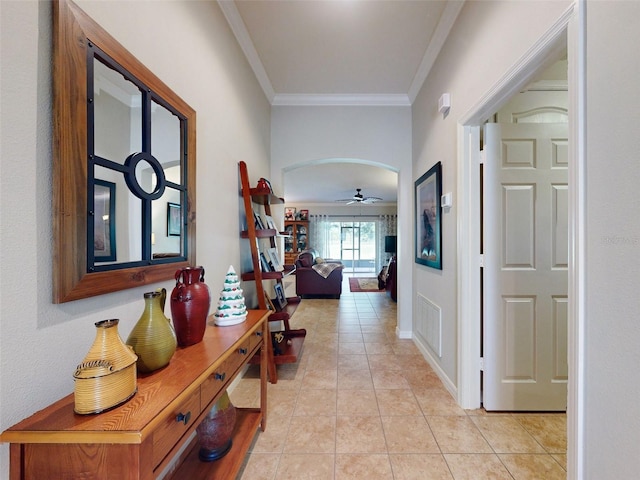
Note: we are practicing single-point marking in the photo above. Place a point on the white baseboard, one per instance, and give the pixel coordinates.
(446, 381)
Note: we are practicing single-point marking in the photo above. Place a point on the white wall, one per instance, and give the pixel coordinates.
(612, 303)
(381, 135)
(486, 40)
(190, 47)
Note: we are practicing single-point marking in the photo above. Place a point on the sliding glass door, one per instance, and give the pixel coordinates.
(358, 246)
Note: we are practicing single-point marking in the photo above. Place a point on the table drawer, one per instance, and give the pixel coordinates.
(223, 374)
(255, 338)
(174, 426)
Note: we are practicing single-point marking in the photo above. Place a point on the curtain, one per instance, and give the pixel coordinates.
(387, 225)
(319, 235)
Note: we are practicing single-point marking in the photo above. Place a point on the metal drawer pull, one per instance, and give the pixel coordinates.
(242, 351)
(183, 417)
(219, 376)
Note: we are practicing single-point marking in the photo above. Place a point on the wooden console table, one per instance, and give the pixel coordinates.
(141, 438)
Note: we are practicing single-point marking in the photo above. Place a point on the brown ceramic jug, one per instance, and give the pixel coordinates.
(190, 301)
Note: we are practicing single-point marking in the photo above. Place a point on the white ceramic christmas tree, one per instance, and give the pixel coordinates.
(231, 307)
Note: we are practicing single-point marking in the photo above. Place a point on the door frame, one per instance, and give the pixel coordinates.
(567, 32)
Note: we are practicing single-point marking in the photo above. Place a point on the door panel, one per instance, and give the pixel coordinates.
(525, 275)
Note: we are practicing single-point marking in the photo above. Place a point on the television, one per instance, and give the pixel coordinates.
(390, 243)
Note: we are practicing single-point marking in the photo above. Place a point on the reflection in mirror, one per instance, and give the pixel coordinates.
(104, 236)
(167, 219)
(127, 226)
(146, 142)
(124, 149)
(117, 121)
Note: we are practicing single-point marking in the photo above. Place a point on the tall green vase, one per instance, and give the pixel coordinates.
(153, 338)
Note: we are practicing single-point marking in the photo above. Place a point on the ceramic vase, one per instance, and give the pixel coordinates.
(153, 338)
(190, 301)
(216, 429)
(107, 375)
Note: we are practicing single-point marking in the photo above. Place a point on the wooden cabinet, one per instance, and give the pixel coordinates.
(297, 239)
(141, 438)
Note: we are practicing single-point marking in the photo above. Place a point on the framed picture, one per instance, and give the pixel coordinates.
(264, 263)
(274, 258)
(428, 218)
(270, 223)
(304, 214)
(269, 303)
(258, 221)
(290, 213)
(104, 221)
(280, 298)
(173, 219)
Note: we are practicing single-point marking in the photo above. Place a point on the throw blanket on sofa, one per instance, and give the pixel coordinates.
(325, 269)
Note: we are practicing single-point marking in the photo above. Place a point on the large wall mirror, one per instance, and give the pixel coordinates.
(124, 166)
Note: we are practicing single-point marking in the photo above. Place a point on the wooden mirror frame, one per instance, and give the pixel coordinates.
(72, 30)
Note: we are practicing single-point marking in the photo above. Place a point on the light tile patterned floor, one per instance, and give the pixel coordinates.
(362, 404)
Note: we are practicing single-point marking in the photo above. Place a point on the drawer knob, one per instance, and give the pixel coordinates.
(183, 417)
(258, 334)
(242, 351)
(219, 376)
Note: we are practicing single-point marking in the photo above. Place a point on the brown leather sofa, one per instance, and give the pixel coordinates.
(310, 276)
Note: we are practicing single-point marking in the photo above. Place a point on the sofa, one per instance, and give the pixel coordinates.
(316, 277)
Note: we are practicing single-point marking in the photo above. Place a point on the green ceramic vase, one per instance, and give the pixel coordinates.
(153, 338)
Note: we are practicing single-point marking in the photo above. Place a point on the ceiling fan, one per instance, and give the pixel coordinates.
(359, 198)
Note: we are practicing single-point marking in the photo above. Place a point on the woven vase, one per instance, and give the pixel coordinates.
(153, 338)
(107, 375)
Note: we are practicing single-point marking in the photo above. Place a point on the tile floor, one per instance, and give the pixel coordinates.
(362, 404)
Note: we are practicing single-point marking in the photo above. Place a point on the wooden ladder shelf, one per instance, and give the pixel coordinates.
(289, 346)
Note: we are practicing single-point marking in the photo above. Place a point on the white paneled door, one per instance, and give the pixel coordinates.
(525, 252)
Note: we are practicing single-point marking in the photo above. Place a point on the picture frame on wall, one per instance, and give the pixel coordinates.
(104, 221)
(173, 219)
(428, 218)
(304, 214)
(290, 213)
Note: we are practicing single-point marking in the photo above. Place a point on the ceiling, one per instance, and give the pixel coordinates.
(340, 52)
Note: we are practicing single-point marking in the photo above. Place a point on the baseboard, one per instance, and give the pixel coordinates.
(446, 381)
(406, 335)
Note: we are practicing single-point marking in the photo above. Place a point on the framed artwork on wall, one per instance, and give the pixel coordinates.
(428, 226)
(173, 219)
(290, 213)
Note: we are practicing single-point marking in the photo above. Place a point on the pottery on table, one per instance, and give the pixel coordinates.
(190, 302)
(106, 377)
(153, 338)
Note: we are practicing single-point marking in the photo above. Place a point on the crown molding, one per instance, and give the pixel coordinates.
(371, 100)
(447, 19)
(239, 29)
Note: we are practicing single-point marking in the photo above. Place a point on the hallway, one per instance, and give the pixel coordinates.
(362, 404)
